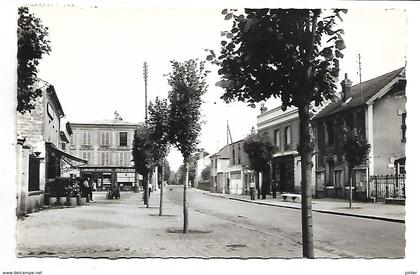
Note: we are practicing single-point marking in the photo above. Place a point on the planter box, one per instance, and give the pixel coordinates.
(62, 200)
(72, 201)
(52, 201)
(81, 201)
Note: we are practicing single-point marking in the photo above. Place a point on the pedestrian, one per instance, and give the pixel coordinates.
(90, 190)
(86, 189)
(252, 189)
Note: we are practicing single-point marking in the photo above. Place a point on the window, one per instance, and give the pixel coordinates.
(329, 133)
(233, 156)
(124, 158)
(33, 180)
(50, 111)
(287, 137)
(123, 138)
(105, 139)
(63, 146)
(105, 158)
(86, 138)
(277, 138)
(338, 174)
(87, 156)
(239, 154)
(403, 127)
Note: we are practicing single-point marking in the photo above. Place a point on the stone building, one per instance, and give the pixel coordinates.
(106, 145)
(38, 157)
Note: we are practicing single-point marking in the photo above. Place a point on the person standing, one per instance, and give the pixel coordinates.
(86, 189)
(252, 189)
(90, 190)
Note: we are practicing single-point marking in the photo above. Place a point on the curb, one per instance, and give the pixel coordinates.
(315, 210)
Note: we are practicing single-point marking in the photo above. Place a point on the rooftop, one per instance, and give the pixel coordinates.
(369, 89)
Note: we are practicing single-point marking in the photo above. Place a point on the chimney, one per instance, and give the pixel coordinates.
(346, 88)
(263, 109)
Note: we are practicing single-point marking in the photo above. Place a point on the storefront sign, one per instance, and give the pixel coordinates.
(121, 170)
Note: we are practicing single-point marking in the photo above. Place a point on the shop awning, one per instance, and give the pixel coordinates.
(61, 154)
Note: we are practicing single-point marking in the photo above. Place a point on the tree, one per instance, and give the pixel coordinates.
(188, 84)
(291, 54)
(356, 150)
(205, 174)
(166, 171)
(260, 151)
(143, 157)
(32, 45)
(159, 132)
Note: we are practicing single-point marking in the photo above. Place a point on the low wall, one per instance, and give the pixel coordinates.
(35, 201)
(204, 185)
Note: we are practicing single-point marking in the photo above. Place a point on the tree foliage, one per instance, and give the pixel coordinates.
(143, 145)
(355, 147)
(188, 84)
(205, 174)
(158, 124)
(259, 151)
(288, 53)
(33, 43)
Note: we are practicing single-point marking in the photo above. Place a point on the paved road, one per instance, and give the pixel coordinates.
(219, 228)
(340, 235)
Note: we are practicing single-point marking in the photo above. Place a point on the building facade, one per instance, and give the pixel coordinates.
(106, 145)
(219, 163)
(377, 109)
(38, 157)
(238, 172)
(282, 129)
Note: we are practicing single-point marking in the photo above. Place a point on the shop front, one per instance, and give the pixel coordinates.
(105, 177)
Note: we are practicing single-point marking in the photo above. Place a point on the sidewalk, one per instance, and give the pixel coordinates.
(378, 210)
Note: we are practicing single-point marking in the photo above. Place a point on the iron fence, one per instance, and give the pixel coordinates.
(388, 186)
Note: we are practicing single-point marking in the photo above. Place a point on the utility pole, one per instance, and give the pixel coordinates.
(145, 71)
(360, 78)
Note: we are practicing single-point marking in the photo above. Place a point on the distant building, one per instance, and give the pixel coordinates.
(106, 145)
(218, 166)
(202, 161)
(238, 172)
(377, 108)
(39, 159)
(282, 129)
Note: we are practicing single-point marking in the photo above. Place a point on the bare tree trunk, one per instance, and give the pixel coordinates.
(273, 182)
(160, 181)
(350, 187)
(144, 185)
(147, 191)
(257, 184)
(305, 151)
(185, 197)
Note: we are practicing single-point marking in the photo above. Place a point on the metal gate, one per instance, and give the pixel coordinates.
(389, 186)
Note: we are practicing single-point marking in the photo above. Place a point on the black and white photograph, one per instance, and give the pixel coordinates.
(153, 134)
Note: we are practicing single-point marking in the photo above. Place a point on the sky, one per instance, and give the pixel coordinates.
(98, 53)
